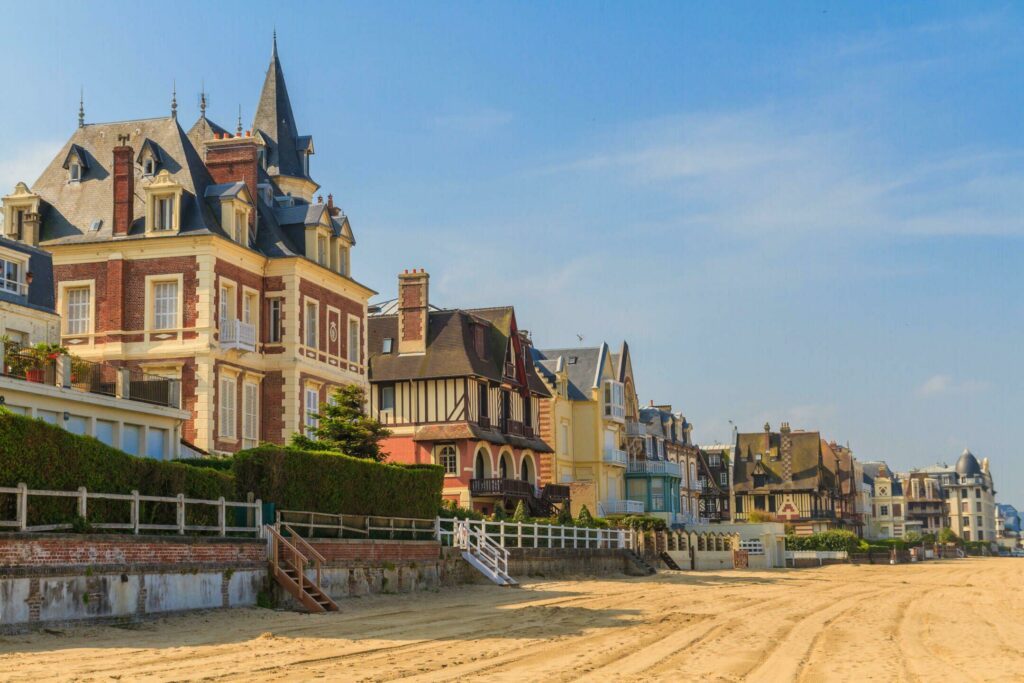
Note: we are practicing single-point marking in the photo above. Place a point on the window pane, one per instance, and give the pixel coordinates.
(311, 325)
(275, 320)
(78, 310)
(131, 439)
(155, 440)
(165, 305)
(353, 341)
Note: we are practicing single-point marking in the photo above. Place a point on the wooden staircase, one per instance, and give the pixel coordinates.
(667, 559)
(288, 566)
(486, 556)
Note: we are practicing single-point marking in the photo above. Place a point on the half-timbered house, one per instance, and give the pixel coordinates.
(457, 388)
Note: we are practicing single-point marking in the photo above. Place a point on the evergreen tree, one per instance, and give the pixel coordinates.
(564, 516)
(520, 514)
(585, 519)
(499, 512)
(346, 428)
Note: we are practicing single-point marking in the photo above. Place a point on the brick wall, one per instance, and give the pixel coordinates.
(231, 163)
(62, 550)
(346, 306)
(272, 428)
(342, 550)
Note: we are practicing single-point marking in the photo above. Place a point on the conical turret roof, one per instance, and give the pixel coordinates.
(276, 121)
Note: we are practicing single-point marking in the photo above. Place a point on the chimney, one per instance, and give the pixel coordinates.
(413, 311)
(234, 159)
(331, 209)
(124, 186)
(786, 451)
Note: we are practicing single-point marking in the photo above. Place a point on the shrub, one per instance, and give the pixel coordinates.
(499, 514)
(213, 462)
(327, 482)
(947, 535)
(760, 517)
(44, 456)
(825, 540)
(584, 518)
(520, 514)
(449, 510)
(564, 517)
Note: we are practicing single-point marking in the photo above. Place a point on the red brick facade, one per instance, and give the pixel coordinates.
(234, 162)
(64, 550)
(124, 189)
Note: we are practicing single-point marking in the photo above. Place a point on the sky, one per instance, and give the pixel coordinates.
(807, 211)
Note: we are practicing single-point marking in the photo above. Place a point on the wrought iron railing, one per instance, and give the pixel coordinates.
(27, 365)
(96, 378)
(149, 388)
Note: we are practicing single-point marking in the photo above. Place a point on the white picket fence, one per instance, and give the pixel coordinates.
(23, 496)
(537, 535)
(816, 555)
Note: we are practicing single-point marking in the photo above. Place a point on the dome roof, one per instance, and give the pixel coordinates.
(967, 465)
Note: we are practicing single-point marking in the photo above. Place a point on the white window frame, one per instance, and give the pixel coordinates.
(62, 305)
(251, 301)
(152, 282)
(383, 409)
(164, 216)
(307, 327)
(227, 397)
(442, 456)
(74, 172)
(250, 413)
(357, 347)
(311, 408)
(20, 263)
(275, 328)
(614, 400)
(227, 293)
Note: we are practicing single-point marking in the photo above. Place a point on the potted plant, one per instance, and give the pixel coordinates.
(36, 358)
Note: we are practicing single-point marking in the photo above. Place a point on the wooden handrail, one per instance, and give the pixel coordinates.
(277, 537)
(304, 543)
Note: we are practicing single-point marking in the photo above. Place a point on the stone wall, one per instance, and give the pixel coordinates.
(65, 578)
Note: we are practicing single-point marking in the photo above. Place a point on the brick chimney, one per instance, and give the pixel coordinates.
(124, 187)
(786, 451)
(413, 311)
(234, 159)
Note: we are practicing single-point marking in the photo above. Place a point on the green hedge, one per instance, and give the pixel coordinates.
(825, 540)
(327, 482)
(44, 456)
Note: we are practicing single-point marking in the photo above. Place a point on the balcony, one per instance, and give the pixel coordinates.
(634, 428)
(671, 469)
(234, 334)
(621, 507)
(511, 488)
(556, 493)
(614, 456)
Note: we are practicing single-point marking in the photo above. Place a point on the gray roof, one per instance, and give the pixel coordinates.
(276, 122)
(582, 365)
(300, 214)
(224, 190)
(967, 465)
(40, 264)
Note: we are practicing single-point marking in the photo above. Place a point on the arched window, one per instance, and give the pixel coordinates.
(504, 468)
(482, 465)
(448, 458)
(524, 471)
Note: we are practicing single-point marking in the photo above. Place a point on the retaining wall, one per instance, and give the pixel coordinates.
(63, 578)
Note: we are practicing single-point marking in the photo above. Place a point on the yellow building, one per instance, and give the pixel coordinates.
(204, 257)
(585, 422)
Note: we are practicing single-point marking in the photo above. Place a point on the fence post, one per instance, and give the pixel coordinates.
(63, 371)
(83, 502)
(22, 506)
(519, 534)
(136, 513)
(501, 532)
(222, 516)
(437, 529)
(122, 383)
(181, 514)
(259, 518)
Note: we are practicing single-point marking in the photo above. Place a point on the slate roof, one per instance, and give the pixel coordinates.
(275, 120)
(450, 351)
(40, 291)
(583, 373)
(808, 471)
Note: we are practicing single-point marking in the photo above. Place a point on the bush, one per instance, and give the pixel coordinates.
(825, 540)
(449, 510)
(641, 522)
(520, 514)
(947, 535)
(44, 456)
(327, 482)
(760, 517)
(213, 462)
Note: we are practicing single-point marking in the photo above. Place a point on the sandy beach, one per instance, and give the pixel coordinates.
(952, 620)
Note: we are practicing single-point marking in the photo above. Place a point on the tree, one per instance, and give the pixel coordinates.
(584, 519)
(345, 427)
(946, 535)
(499, 512)
(520, 514)
(564, 516)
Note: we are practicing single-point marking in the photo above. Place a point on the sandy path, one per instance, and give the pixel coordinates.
(953, 620)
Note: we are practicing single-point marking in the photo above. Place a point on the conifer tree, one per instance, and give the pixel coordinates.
(345, 427)
(520, 514)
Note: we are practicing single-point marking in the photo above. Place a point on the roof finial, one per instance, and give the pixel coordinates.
(239, 130)
(202, 100)
(275, 43)
(81, 108)
(174, 99)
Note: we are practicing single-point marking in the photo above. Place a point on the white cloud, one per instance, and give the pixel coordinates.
(939, 385)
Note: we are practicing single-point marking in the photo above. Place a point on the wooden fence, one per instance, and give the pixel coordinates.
(327, 525)
(23, 496)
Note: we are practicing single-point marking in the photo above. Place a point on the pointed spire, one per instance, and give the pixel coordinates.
(174, 99)
(274, 53)
(239, 130)
(81, 108)
(202, 101)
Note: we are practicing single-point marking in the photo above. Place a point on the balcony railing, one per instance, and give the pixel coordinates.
(235, 334)
(556, 493)
(634, 428)
(23, 364)
(514, 427)
(96, 378)
(671, 469)
(501, 487)
(622, 507)
(614, 456)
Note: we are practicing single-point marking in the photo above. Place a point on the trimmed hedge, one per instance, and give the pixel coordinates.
(295, 479)
(44, 456)
(825, 540)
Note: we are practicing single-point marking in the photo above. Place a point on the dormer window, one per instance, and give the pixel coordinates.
(75, 173)
(305, 164)
(387, 345)
(148, 167)
(149, 157)
(343, 260)
(75, 163)
(11, 274)
(321, 250)
(164, 219)
(163, 204)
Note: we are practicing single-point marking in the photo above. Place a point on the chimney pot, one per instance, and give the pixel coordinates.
(413, 311)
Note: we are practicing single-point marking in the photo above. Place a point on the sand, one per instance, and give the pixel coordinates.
(951, 620)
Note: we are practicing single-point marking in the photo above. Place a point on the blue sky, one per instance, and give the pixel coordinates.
(793, 211)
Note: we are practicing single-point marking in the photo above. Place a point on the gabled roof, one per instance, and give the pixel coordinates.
(72, 208)
(583, 365)
(451, 351)
(76, 152)
(152, 147)
(808, 470)
(275, 121)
